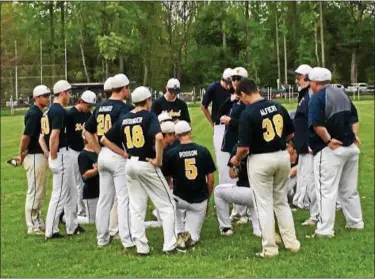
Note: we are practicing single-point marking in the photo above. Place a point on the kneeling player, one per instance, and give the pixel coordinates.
(240, 194)
(88, 167)
(192, 169)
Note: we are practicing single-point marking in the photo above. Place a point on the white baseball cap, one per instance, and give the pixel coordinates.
(164, 116)
(108, 84)
(41, 90)
(173, 85)
(240, 71)
(167, 127)
(61, 86)
(227, 73)
(182, 127)
(140, 94)
(320, 74)
(303, 69)
(89, 97)
(119, 80)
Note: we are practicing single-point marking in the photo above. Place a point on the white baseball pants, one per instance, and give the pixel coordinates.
(78, 182)
(112, 182)
(64, 194)
(229, 193)
(144, 180)
(113, 220)
(90, 209)
(268, 173)
(36, 166)
(222, 159)
(190, 217)
(336, 175)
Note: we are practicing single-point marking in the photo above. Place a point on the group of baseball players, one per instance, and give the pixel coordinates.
(106, 164)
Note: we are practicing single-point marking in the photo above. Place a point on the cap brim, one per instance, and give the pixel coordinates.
(174, 90)
(292, 73)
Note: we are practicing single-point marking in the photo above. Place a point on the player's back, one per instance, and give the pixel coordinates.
(266, 126)
(189, 164)
(106, 115)
(55, 118)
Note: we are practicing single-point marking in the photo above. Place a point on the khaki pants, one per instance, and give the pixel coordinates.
(267, 174)
(36, 166)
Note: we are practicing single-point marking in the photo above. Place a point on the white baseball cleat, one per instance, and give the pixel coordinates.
(309, 222)
(226, 232)
(277, 238)
(354, 228)
(242, 220)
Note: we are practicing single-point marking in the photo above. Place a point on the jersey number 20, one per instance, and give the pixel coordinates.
(135, 138)
(278, 123)
(104, 123)
(191, 170)
(45, 125)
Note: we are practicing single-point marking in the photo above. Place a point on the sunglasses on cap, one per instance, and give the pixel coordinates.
(227, 81)
(236, 78)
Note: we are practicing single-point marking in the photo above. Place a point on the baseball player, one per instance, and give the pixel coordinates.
(140, 134)
(234, 107)
(77, 116)
(170, 103)
(88, 168)
(64, 190)
(265, 127)
(216, 94)
(34, 161)
(111, 165)
(239, 193)
(333, 121)
(192, 169)
(305, 195)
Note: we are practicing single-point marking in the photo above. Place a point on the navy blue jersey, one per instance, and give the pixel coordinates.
(136, 132)
(243, 179)
(33, 128)
(331, 108)
(86, 160)
(264, 126)
(231, 131)
(301, 116)
(76, 120)
(55, 118)
(216, 94)
(176, 109)
(189, 165)
(106, 115)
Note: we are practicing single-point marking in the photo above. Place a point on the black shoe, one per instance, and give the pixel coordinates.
(78, 230)
(61, 218)
(55, 235)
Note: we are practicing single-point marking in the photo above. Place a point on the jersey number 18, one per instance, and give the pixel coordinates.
(135, 138)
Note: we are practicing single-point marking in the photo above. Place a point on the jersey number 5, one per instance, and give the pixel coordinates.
(191, 170)
(278, 123)
(45, 125)
(104, 123)
(135, 138)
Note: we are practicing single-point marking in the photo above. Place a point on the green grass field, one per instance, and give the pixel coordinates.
(349, 254)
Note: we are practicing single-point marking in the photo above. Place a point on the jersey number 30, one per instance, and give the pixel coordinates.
(278, 123)
(104, 123)
(191, 170)
(135, 138)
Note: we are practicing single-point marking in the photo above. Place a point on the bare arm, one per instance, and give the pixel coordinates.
(43, 145)
(232, 173)
(355, 128)
(326, 137)
(240, 155)
(23, 148)
(54, 142)
(106, 142)
(91, 139)
(90, 173)
(207, 114)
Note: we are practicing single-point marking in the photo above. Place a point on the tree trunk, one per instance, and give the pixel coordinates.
(84, 63)
(145, 72)
(62, 10)
(106, 69)
(224, 37)
(121, 68)
(321, 33)
(353, 68)
(285, 62)
(52, 28)
(354, 62)
(278, 49)
(247, 32)
(316, 45)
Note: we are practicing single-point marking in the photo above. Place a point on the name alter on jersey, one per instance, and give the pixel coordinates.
(268, 110)
(189, 153)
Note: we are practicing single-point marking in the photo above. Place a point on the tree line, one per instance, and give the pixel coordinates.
(190, 40)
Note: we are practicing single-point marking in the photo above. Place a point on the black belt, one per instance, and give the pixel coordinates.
(35, 152)
(143, 159)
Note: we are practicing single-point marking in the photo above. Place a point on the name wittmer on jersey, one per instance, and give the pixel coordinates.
(268, 110)
(130, 121)
(189, 153)
(105, 108)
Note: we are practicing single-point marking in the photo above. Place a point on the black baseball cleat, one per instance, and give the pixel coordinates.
(55, 235)
(78, 230)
